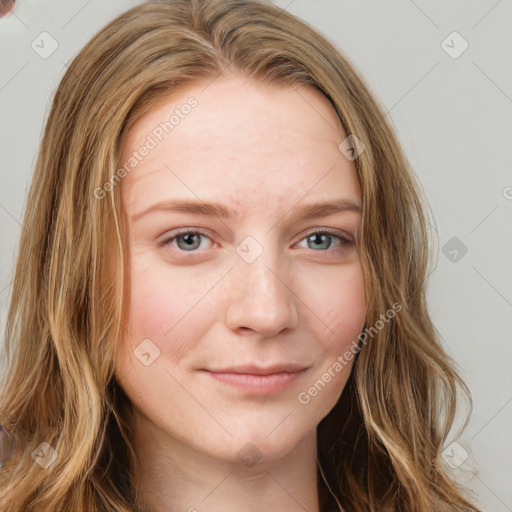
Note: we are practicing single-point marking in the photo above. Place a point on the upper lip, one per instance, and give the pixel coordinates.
(258, 370)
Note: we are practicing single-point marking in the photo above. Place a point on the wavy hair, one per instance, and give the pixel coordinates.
(381, 444)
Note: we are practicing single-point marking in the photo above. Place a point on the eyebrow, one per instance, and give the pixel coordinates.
(308, 211)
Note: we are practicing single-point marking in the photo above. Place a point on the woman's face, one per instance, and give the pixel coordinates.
(248, 286)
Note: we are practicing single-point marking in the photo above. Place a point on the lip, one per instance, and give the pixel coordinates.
(259, 370)
(259, 380)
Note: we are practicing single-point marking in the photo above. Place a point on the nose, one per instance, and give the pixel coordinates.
(261, 297)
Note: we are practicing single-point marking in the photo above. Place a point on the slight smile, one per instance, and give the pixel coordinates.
(258, 380)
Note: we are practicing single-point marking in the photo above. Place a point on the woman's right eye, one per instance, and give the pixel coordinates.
(186, 241)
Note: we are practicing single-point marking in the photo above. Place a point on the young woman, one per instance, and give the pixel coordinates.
(219, 301)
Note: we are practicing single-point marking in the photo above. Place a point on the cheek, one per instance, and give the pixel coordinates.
(160, 307)
(341, 305)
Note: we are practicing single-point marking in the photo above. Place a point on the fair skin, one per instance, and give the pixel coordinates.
(264, 152)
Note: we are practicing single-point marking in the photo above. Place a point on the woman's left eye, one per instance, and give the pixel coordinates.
(190, 241)
(323, 237)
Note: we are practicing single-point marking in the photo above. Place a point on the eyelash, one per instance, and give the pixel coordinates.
(332, 233)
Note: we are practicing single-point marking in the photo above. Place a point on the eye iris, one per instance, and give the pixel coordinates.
(316, 236)
(188, 237)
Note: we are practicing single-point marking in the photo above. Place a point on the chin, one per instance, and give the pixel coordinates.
(256, 446)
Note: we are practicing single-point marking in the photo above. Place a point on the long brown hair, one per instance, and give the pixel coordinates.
(380, 444)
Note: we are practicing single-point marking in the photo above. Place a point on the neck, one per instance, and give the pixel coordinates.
(173, 476)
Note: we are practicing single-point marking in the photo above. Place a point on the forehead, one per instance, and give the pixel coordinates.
(242, 142)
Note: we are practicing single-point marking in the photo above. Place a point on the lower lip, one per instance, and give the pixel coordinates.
(261, 384)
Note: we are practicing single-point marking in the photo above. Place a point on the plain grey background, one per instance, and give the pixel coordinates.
(441, 69)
